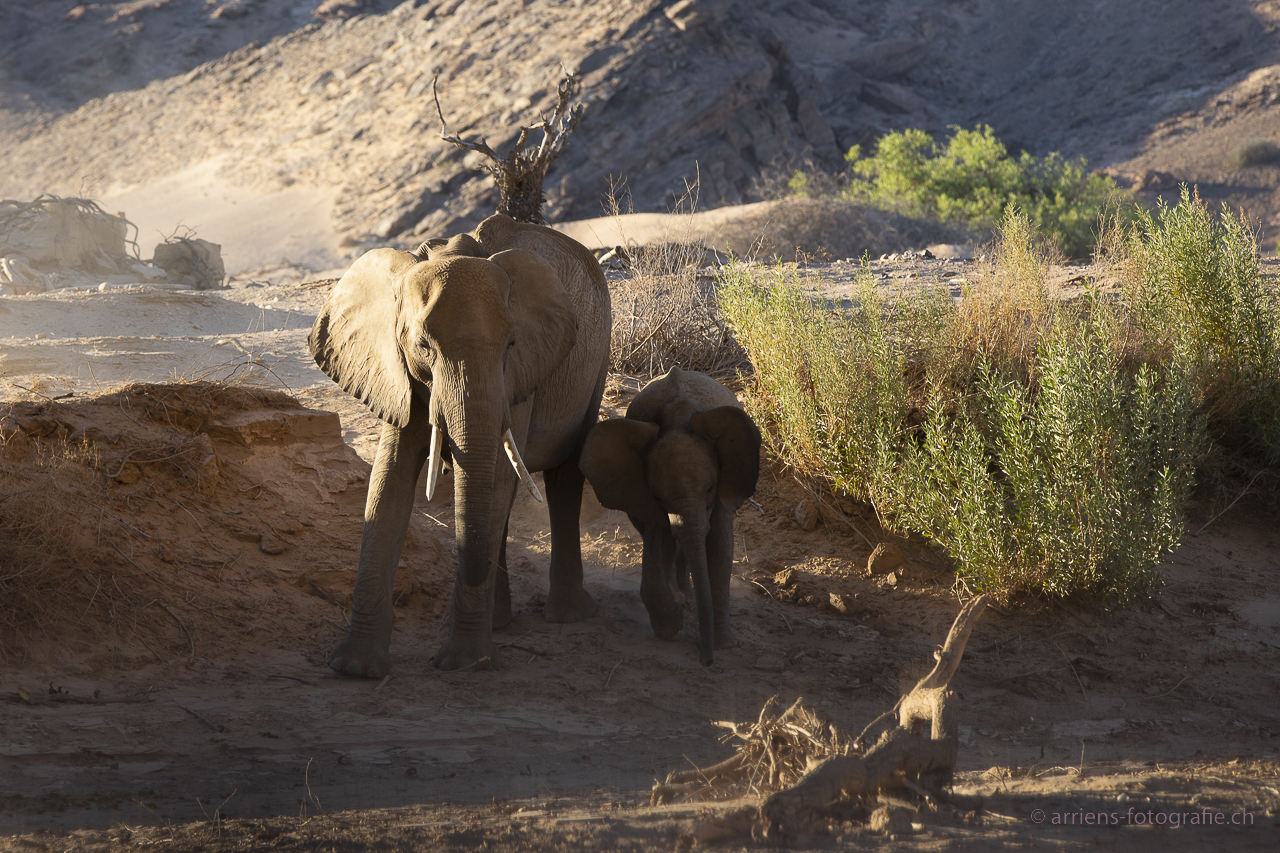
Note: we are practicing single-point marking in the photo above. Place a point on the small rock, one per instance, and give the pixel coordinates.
(891, 579)
(786, 577)
(806, 515)
(691, 14)
(891, 821)
(231, 10)
(846, 605)
(269, 543)
(341, 9)
(770, 663)
(885, 558)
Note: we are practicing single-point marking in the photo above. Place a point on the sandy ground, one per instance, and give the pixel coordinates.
(254, 228)
(217, 725)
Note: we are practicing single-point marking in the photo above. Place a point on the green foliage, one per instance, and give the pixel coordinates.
(1049, 447)
(1193, 281)
(1074, 487)
(798, 184)
(972, 180)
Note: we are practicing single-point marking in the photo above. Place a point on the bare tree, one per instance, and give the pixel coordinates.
(520, 174)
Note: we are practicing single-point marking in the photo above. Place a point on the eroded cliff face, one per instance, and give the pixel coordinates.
(338, 94)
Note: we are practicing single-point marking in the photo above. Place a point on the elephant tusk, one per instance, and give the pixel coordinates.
(509, 444)
(434, 462)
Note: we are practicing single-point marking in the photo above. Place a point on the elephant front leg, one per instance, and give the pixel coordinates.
(366, 650)
(657, 582)
(470, 644)
(567, 600)
(720, 570)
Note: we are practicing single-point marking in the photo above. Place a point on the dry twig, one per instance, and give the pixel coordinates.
(520, 174)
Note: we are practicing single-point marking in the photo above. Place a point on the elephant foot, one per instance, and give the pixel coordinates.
(502, 612)
(361, 657)
(466, 653)
(667, 625)
(573, 607)
(725, 638)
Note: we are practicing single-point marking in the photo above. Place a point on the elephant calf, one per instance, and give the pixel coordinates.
(679, 465)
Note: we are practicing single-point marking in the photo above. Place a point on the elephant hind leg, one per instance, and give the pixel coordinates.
(502, 613)
(567, 600)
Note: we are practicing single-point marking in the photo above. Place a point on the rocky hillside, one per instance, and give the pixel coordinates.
(339, 93)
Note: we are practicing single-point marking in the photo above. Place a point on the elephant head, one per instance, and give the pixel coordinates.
(680, 478)
(470, 336)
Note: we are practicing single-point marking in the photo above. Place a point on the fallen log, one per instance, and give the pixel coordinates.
(902, 750)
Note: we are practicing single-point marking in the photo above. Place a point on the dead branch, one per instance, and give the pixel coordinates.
(809, 765)
(901, 750)
(521, 173)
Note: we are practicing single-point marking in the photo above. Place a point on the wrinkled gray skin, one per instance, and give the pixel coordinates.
(505, 328)
(680, 464)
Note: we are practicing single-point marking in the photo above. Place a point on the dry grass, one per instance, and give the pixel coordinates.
(77, 481)
(53, 568)
(664, 309)
(1006, 311)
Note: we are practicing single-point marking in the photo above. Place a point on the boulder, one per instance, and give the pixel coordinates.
(191, 261)
(53, 233)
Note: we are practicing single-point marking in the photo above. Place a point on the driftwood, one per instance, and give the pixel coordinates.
(520, 174)
(811, 769)
(901, 750)
(774, 752)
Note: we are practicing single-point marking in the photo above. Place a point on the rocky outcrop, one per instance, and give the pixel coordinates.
(724, 92)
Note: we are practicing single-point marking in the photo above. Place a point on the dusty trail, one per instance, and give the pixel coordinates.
(581, 718)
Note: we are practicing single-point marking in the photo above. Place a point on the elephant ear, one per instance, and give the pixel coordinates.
(613, 459)
(354, 339)
(737, 442)
(545, 323)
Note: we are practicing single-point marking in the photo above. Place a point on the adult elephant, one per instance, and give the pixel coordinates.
(680, 464)
(486, 348)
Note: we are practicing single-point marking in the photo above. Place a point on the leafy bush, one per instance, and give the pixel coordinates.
(1074, 486)
(1253, 152)
(1192, 280)
(1049, 447)
(972, 180)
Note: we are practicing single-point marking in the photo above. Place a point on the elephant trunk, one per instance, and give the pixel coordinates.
(691, 531)
(475, 429)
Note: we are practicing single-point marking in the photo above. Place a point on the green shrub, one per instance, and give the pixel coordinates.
(1075, 486)
(1192, 280)
(1253, 152)
(1049, 447)
(829, 386)
(972, 180)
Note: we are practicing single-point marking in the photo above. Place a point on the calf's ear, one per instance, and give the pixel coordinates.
(737, 443)
(613, 460)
